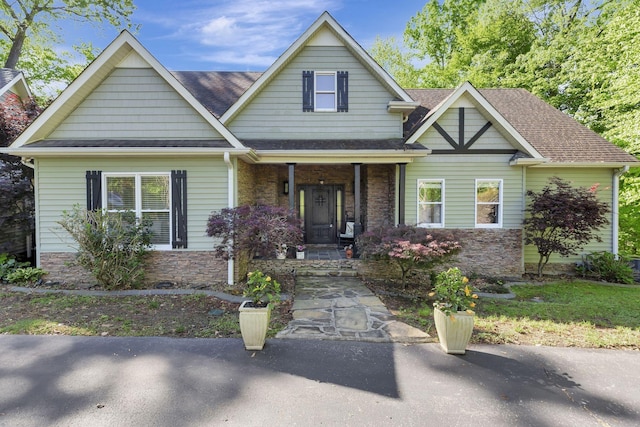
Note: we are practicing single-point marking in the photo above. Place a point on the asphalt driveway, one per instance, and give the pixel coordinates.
(94, 381)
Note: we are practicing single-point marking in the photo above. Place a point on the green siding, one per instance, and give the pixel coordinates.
(474, 121)
(62, 184)
(276, 112)
(134, 103)
(460, 172)
(537, 178)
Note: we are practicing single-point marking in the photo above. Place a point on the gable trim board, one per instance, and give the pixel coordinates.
(456, 137)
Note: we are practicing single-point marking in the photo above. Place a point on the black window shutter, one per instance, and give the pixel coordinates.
(94, 190)
(343, 91)
(307, 91)
(179, 209)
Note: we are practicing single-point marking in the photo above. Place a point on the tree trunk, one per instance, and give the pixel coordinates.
(16, 49)
(540, 265)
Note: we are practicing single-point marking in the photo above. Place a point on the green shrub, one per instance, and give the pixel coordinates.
(112, 246)
(409, 247)
(8, 265)
(606, 266)
(25, 275)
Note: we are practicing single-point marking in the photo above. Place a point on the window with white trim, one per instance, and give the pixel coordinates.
(146, 194)
(488, 203)
(431, 203)
(325, 91)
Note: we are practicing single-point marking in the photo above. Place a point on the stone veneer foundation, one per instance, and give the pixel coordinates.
(490, 252)
(180, 267)
(485, 253)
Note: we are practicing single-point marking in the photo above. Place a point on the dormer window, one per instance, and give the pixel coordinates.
(325, 91)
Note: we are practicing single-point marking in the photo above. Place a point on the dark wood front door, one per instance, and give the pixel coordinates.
(320, 206)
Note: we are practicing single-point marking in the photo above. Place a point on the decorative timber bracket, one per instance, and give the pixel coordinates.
(461, 146)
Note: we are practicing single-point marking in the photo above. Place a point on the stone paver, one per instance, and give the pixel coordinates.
(342, 308)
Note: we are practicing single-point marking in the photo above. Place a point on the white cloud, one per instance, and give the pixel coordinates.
(219, 27)
(248, 32)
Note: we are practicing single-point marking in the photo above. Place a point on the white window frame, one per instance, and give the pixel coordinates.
(500, 202)
(138, 199)
(316, 92)
(441, 203)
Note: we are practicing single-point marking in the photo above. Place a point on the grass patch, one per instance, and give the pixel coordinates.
(573, 313)
(43, 327)
(567, 313)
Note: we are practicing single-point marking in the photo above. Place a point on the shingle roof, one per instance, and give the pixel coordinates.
(346, 144)
(131, 143)
(555, 135)
(216, 90)
(6, 75)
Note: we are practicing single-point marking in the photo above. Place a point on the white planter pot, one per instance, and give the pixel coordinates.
(300, 255)
(453, 333)
(254, 322)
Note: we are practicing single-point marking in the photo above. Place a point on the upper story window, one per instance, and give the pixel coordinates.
(430, 203)
(325, 91)
(488, 203)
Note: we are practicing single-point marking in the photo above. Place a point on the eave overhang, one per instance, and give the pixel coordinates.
(339, 157)
(594, 165)
(404, 107)
(26, 152)
(527, 162)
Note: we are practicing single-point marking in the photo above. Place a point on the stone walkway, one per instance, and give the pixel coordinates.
(342, 308)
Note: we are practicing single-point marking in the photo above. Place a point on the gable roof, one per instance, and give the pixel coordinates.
(325, 21)
(553, 135)
(118, 51)
(14, 81)
(485, 107)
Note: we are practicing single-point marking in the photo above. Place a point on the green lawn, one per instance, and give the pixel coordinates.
(569, 313)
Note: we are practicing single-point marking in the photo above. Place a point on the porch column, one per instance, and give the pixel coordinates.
(292, 186)
(402, 179)
(356, 190)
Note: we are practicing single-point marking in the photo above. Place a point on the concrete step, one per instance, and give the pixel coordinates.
(333, 272)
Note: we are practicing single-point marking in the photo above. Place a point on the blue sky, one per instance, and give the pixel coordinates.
(244, 35)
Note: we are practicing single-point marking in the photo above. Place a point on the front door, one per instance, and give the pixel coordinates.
(320, 213)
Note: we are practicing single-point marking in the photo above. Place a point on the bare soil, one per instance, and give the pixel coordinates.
(186, 316)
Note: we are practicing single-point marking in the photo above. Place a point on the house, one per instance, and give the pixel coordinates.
(14, 93)
(324, 130)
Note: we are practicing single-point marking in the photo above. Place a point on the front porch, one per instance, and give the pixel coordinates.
(325, 196)
(324, 253)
